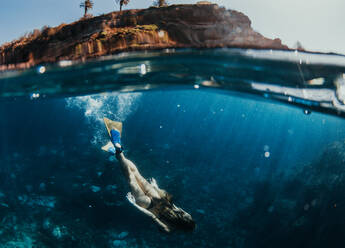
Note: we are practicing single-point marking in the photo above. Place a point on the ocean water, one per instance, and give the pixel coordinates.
(250, 143)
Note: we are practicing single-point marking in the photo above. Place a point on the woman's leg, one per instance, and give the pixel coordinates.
(140, 198)
(135, 177)
(141, 189)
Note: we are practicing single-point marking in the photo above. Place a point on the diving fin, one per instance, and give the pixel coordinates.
(109, 147)
(109, 124)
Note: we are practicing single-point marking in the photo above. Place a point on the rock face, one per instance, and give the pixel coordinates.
(178, 26)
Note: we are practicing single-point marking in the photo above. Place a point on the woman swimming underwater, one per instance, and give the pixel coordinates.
(147, 196)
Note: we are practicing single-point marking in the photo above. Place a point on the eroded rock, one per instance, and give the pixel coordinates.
(178, 26)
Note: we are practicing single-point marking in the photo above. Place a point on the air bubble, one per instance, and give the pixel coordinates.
(142, 69)
(41, 69)
(35, 95)
(307, 112)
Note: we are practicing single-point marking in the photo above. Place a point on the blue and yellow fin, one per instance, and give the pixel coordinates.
(110, 125)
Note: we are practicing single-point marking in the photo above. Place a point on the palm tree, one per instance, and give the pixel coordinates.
(87, 4)
(122, 2)
(161, 3)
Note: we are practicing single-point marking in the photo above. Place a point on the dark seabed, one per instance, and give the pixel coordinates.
(253, 172)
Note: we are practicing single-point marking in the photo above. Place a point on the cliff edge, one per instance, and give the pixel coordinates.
(176, 26)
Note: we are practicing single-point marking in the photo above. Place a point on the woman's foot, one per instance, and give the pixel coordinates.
(116, 139)
(118, 148)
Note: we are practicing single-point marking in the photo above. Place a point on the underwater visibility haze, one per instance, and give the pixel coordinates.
(250, 143)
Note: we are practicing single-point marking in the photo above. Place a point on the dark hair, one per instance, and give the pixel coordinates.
(174, 216)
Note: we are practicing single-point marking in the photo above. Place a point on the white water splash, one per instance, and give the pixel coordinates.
(115, 106)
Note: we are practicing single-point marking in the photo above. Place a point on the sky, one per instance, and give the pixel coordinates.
(318, 24)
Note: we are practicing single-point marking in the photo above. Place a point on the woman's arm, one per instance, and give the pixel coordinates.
(131, 199)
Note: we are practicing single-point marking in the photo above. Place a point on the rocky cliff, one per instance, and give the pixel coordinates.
(176, 26)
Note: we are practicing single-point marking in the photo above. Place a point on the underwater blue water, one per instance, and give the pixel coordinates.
(250, 143)
(249, 170)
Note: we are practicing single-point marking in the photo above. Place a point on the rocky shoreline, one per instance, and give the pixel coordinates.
(175, 26)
